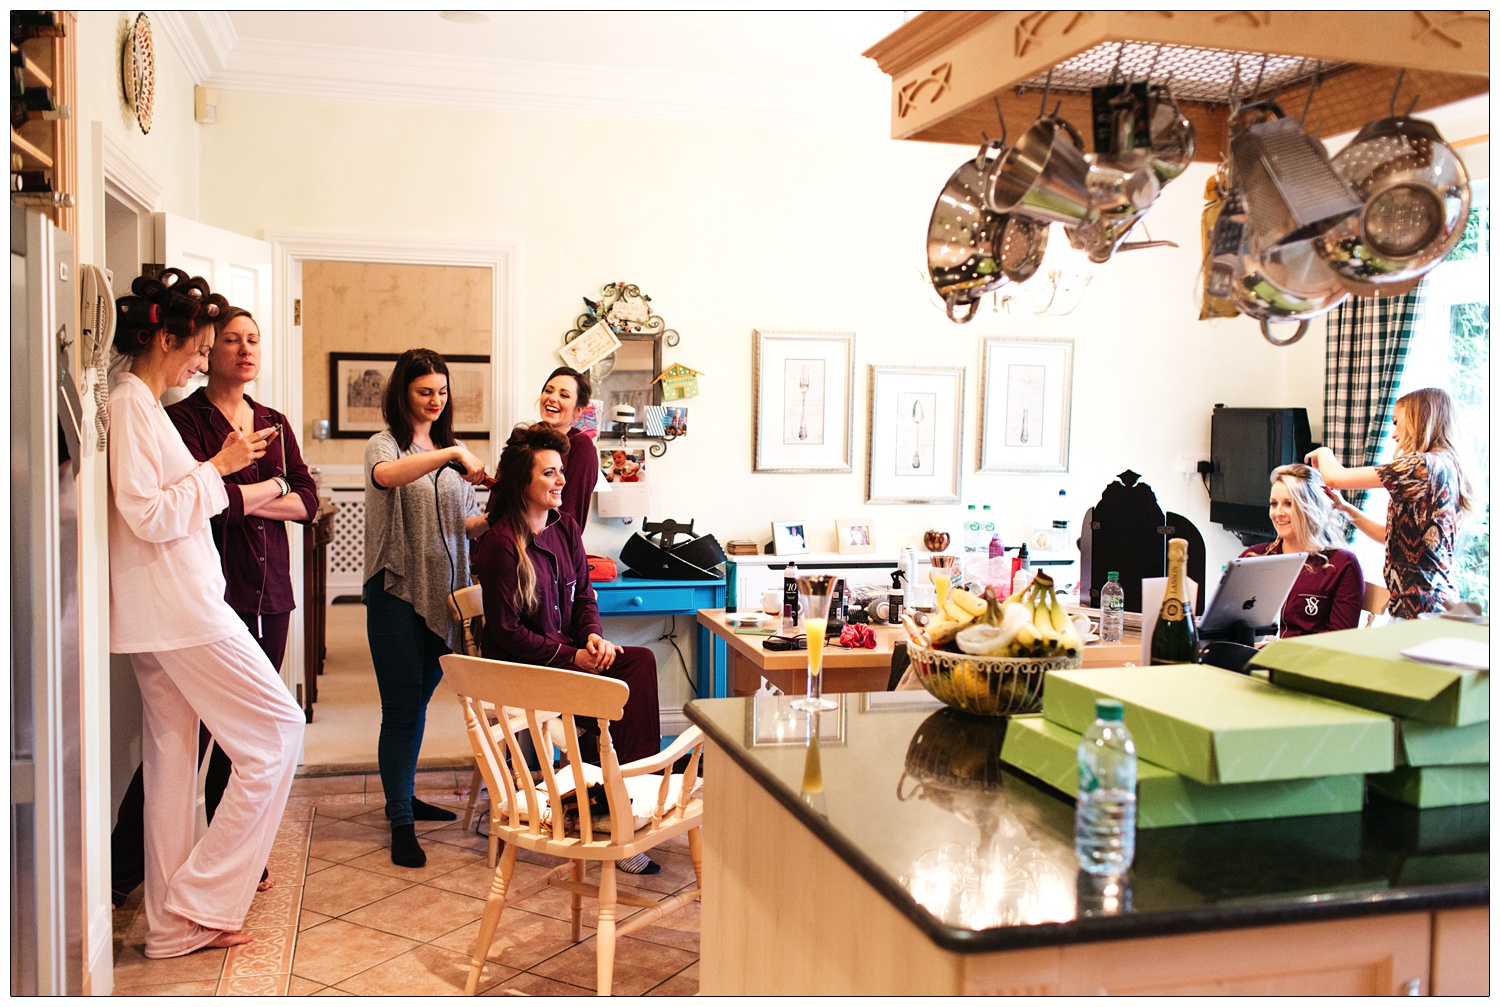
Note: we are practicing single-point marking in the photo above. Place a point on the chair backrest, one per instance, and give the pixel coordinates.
(466, 605)
(1374, 602)
(533, 693)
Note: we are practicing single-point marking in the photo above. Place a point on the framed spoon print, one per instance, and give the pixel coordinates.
(802, 387)
(916, 432)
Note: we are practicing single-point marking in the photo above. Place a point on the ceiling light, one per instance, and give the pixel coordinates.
(464, 16)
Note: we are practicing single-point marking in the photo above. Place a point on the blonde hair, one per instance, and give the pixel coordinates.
(1313, 517)
(1430, 417)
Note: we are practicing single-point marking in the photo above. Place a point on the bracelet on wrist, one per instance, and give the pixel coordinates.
(282, 485)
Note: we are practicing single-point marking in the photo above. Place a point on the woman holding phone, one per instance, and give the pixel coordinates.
(1428, 494)
(250, 535)
(194, 658)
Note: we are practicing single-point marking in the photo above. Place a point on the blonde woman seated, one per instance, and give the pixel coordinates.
(1331, 587)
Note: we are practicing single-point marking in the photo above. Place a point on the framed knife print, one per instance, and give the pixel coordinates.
(916, 430)
(1026, 405)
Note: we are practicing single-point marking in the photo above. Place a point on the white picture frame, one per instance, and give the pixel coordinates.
(789, 538)
(1026, 395)
(916, 433)
(802, 394)
(592, 345)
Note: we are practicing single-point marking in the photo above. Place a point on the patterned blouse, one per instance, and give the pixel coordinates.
(1421, 528)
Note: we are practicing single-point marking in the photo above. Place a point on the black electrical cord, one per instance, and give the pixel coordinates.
(437, 504)
(671, 637)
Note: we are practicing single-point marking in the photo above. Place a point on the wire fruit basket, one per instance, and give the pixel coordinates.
(988, 686)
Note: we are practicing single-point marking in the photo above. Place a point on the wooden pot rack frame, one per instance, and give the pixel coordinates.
(948, 68)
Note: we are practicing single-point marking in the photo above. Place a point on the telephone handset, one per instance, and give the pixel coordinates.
(96, 322)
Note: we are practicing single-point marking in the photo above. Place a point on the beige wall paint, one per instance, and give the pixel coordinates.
(370, 307)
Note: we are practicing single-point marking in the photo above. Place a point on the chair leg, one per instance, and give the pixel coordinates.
(695, 850)
(606, 934)
(494, 844)
(577, 902)
(493, 907)
(474, 787)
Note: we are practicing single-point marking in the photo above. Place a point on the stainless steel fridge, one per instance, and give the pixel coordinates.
(46, 896)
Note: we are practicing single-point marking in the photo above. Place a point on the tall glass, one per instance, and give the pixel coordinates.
(943, 571)
(815, 592)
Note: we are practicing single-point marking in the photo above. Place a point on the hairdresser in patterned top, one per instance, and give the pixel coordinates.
(1428, 493)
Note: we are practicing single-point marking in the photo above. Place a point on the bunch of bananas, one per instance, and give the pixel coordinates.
(1030, 623)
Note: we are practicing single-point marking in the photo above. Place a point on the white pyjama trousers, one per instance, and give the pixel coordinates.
(194, 890)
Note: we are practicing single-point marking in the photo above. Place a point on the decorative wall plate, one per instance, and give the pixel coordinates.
(138, 72)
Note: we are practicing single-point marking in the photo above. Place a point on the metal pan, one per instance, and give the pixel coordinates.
(965, 238)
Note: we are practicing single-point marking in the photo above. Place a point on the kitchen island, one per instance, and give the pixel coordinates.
(896, 856)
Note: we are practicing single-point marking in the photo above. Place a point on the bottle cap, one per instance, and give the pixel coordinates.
(1114, 575)
(1109, 709)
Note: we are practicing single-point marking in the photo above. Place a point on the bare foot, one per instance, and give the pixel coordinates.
(230, 938)
(266, 883)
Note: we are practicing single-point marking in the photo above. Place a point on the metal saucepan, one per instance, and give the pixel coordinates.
(965, 238)
(1286, 282)
(1173, 138)
(1044, 175)
(1416, 202)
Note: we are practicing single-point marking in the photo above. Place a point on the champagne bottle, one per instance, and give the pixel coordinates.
(1175, 639)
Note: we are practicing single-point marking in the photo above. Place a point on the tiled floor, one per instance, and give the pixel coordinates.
(344, 921)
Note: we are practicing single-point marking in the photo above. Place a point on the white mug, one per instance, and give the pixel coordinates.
(771, 601)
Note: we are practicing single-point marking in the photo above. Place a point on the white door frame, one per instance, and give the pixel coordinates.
(289, 249)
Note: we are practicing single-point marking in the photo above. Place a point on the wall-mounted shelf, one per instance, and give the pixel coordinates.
(948, 68)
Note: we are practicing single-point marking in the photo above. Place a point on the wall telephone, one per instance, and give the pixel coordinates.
(96, 322)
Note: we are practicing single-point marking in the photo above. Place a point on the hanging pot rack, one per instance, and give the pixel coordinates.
(949, 69)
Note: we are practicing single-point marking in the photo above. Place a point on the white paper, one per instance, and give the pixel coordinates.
(1451, 650)
(592, 345)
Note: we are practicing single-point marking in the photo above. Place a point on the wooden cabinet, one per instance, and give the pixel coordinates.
(48, 141)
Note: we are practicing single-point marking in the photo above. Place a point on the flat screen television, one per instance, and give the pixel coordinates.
(1246, 445)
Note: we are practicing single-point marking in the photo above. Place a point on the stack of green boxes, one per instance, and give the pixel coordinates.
(1442, 711)
(1213, 745)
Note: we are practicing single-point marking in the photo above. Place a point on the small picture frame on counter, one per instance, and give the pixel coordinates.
(855, 535)
(789, 538)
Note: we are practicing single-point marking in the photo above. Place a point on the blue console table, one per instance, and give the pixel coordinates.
(632, 596)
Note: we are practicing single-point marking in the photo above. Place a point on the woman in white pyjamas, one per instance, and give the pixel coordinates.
(193, 657)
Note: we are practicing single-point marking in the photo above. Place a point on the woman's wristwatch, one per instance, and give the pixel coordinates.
(286, 487)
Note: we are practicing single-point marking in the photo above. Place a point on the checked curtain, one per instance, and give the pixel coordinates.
(1367, 342)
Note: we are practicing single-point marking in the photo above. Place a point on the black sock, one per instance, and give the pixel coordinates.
(424, 812)
(405, 851)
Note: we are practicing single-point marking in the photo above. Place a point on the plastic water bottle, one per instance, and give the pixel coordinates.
(972, 530)
(1112, 609)
(986, 529)
(1104, 829)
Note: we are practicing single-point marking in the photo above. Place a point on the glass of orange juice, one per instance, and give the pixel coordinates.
(942, 572)
(816, 595)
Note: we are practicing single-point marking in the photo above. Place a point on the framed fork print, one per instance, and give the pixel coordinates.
(802, 386)
(916, 431)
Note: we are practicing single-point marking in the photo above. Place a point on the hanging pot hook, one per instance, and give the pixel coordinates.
(1000, 113)
(1154, 59)
(1047, 90)
(1114, 73)
(1261, 76)
(1400, 76)
(1312, 86)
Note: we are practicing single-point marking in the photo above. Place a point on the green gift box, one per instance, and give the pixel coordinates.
(1434, 786)
(1217, 726)
(1419, 743)
(1364, 667)
(1049, 752)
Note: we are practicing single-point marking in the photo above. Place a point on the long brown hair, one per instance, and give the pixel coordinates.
(508, 498)
(410, 366)
(1430, 417)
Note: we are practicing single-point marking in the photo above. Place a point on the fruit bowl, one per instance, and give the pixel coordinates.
(988, 686)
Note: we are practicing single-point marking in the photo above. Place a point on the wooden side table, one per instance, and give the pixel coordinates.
(315, 601)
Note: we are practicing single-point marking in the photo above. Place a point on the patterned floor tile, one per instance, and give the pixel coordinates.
(269, 954)
(254, 986)
(275, 907)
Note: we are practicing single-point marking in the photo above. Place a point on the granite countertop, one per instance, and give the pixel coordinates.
(980, 857)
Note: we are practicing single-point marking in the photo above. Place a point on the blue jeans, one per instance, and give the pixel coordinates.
(405, 653)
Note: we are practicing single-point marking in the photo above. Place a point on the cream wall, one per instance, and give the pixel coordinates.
(730, 230)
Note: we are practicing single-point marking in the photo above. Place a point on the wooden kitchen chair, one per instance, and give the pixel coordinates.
(624, 810)
(1373, 606)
